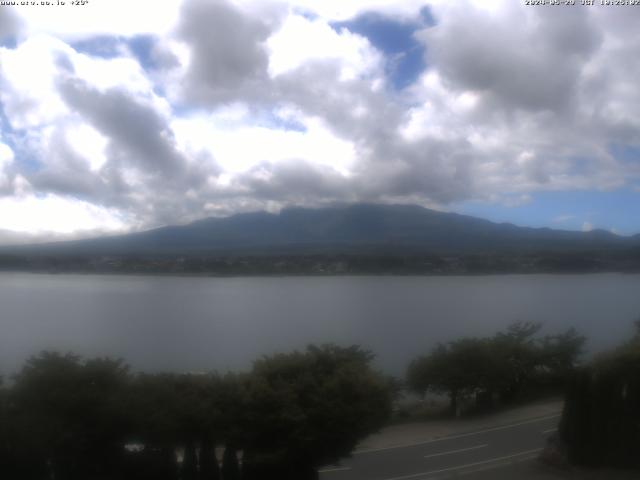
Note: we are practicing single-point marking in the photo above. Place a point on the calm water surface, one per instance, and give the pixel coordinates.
(196, 324)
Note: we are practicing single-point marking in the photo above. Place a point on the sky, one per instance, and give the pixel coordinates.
(123, 115)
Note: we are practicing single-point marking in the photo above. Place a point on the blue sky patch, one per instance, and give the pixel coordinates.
(10, 42)
(628, 154)
(25, 159)
(569, 210)
(304, 12)
(405, 55)
(274, 121)
(6, 130)
(270, 119)
(103, 46)
(109, 47)
(142, 48)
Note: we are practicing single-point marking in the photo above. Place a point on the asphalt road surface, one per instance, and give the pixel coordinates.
(493, 452)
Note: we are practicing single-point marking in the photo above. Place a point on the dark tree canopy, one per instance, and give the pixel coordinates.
(312, 408)
(69, 415)
(73, 419)
(500, 365)
(600, 423)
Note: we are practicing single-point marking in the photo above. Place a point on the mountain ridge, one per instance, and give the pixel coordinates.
(351, 228)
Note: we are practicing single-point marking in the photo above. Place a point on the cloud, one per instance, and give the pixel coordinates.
(520, 58)
(138, 134)
(587, 226)
(10, 24)
(241, 144)
(302, 40)
(55, 214)
(228, 58)
(142, 154)
(6, 155)
(111, 17)
(337, 10)
(526, 92)
(218, 106)
(6, 160)
(29, 100)
(295, 181)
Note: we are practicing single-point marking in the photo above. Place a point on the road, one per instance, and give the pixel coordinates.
(498, 450)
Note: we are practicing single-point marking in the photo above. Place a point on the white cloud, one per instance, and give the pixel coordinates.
(6, 155)
(30, 74)
(88, 143)
(6, 159)
(52, 213)
(27, 76)
(587, 226)
(109, 73)
(237, 148)
(96, 17)
(302, 40)
(346, 9)
(257, 104)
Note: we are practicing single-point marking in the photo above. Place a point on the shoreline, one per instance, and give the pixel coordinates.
(161, 274)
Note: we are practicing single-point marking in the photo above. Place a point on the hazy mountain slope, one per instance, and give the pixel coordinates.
(366, 228)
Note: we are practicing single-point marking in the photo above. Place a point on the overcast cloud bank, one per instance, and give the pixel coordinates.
(211, 107)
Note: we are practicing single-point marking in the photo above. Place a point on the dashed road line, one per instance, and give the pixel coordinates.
(336, 469)
(454, 437)
(451, 452)
(525, 456)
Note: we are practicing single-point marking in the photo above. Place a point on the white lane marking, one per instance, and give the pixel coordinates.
(493, 466)
(451, 452)
(337, 469)
(467, 465)
(551, 430)
(453, 437)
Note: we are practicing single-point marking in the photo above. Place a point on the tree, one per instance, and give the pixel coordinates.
(6, 453)
(459, 369)
(601, 420)
(179, 411)
(232, 400)
(189, 470)
(423, 372)
(209, 468)
(310, 409)
(230, 467)
(69, 415)
(560, 353)
(155, 411)
(518, 354)
(504, 364)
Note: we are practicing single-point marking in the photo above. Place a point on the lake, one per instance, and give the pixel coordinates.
(203, 323)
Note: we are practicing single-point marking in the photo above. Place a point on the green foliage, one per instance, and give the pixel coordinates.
(67, 418)
(230, 466)
(209, 468)
(5, 433)
(460, 369)
(309, 409)
(601, 420)
(503, 364)
(69, 415)
(519, 355)
(558, 353)
(172, 409)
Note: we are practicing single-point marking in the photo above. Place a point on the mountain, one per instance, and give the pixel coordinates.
(360, 228)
